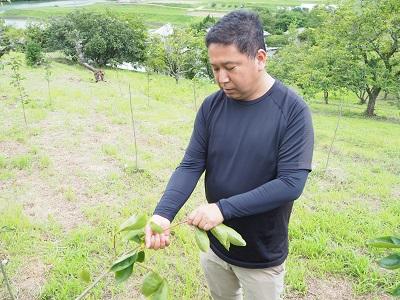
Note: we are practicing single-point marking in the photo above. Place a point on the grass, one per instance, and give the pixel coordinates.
(78, 155)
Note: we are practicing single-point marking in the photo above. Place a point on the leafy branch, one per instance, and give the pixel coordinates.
(154, 286)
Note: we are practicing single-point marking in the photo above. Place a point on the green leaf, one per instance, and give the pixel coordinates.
(396, 291)
(140, 257)
(233, 236)
(124, 262)
(151, 283)
(161, 293)
(85, 276)
(155, 227)
(6, 228)
(135, 235)
(134, 223)
(385, 242)
(123, 274)
(221, 234)
(390, 262)
(202, 240)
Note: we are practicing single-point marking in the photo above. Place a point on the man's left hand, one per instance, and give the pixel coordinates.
(206, 216)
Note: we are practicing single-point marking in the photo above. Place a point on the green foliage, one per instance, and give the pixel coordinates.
(286, 17)
(133, 223)
(11, 39)
(278, 40)
(203, 25)
(364, 37)
(33, 54)
(202, 240)
(154, 286)
(156, 228)
(181, 54)
(355, 48)
(392, 261)
(103, 37)
(227, 236)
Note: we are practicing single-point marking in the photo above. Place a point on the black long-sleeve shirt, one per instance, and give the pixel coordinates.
(257, 156)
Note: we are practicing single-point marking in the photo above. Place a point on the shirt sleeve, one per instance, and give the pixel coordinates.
(185, 177)
(294, 164)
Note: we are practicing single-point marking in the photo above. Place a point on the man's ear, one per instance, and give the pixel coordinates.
(261, 59)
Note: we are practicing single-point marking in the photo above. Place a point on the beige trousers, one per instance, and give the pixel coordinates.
(229, 282)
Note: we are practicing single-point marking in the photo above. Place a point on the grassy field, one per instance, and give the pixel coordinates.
(156, 13)
(69, 179)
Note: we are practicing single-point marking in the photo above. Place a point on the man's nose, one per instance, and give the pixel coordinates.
(223, 77)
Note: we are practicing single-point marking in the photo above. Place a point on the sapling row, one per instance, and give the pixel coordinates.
(154, 286)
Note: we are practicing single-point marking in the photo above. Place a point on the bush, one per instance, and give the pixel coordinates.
(277, 40)
(33, 54)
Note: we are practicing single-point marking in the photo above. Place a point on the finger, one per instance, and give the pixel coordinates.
(148, 236)
(162, 241)
(207, 227)
(197, 219)
(202, 223)
(156, 242)
(191, 217)
(167, 241)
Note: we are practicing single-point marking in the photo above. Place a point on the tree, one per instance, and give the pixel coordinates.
(11, 39)
(101, 37)
(369, 32)
(33, 53)
(181, 54)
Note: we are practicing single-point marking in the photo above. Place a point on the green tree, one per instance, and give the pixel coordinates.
(181, 54)
(369, 32)
(11, 39)
(33, 53)
(101, 37)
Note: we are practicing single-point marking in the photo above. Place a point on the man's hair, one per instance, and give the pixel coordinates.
(241, 28)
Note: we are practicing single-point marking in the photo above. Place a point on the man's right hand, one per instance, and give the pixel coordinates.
(154, 240)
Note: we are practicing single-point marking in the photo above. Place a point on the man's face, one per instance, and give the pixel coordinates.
(236, 73)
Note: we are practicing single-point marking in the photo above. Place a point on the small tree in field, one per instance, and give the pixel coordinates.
(17, 82)
(47, 76)
(33, 54)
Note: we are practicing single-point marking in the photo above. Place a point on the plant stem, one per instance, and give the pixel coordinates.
(23, 108)
(90, 287)
(3, 270)
(133, 126)
(148, 89)
(98, 279)
(334, 135)
(175, 225)
(48, 89)
(194, 95)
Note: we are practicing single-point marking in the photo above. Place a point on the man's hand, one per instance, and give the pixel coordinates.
(206, 216)
(154, 240)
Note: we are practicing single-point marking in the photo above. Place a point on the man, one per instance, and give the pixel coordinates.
(254, 139)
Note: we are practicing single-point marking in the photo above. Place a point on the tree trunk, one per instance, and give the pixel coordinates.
(98, 74)
(372, 95)
(326, 94)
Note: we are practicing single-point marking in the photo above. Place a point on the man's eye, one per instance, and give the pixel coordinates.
(231, 68)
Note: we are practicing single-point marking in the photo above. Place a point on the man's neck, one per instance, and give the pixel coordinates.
(264, 85)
